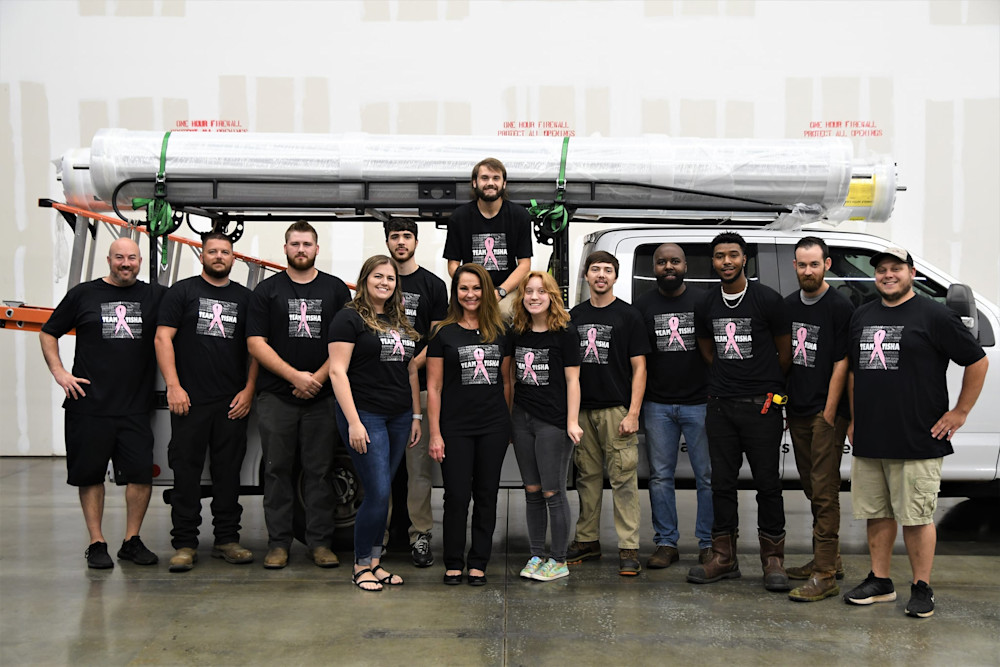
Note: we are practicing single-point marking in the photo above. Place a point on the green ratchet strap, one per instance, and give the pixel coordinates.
(159, 215)
(555, 216)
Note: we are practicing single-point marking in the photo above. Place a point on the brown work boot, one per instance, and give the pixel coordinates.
(628, 562)
(662, 558)
(581, 551)
(232, 552)
(276, 558)
(183, 559)
(820, 585)
(722, 564)
(806, 571)
(704, 555)
(323, 557)
(772, 560)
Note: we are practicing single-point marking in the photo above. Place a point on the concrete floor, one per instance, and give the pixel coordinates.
(53, 610)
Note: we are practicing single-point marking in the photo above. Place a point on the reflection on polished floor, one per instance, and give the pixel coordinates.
(53, 610)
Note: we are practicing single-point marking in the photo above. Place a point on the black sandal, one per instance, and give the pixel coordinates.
(360, 584)
(387, 580)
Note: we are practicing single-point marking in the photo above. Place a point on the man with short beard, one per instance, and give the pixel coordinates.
(674, 403)
(425, 298)
(109, 394)
(817, 410)
(899, 352)
(491, 231)
(202, 352)
(742, 333)
(289, 316)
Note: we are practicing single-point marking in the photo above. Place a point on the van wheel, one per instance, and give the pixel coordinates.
(347, 492)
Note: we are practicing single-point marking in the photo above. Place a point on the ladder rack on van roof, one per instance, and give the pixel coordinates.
(231, 179)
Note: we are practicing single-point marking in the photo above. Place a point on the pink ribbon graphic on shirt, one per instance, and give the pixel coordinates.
(397, 344)
(302, 320)
(217, 319)
(529, 358)
(877, 350)
(120, 311)
(488, 242)
(673, 323)
(800, 335)
(591, 343)
(479, 354)
(731, 338)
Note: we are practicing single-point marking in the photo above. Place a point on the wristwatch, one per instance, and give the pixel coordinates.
(502, 292)
(418, 417)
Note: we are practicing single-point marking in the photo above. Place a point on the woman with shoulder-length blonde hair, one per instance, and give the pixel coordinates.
(468, 408)
(378, 403)
(545, 417)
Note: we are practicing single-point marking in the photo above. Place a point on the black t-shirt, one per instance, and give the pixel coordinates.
(609, 338)
(378, 372)
(746, 360)
(899, 356)
(540, 361)
(820, 334)
(210, 347)
(496, 243)
(675, 371)
(295, 319)
(425, 299)
(115, 328)
(472, 400)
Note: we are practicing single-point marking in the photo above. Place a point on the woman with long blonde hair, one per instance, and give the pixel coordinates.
(378, 403)
(545, 417)
(468, 408)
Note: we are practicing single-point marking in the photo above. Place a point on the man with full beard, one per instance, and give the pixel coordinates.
(202, 352)
(289, 316)
(109, 394)
(818, 413)
(491, 231)
(742, 333)
(674, 403)
(899, 352)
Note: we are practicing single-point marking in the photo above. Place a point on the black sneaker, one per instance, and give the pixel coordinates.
(97, 556)
(134, 550)
(872, 589)
(420, 551)
(921, 602)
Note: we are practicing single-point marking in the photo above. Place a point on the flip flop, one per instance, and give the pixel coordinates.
(360, 584)
(387, 579)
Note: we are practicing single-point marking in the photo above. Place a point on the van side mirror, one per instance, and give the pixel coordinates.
(961, 300)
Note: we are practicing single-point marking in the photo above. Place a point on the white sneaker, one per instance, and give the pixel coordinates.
(551, 571)
(529, 570)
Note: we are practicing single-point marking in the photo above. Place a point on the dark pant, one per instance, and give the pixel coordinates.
(736, 427)
(206, 428)
(471, 471)
(306, 429)
(818, 450)
(543, 453)
(388, 436)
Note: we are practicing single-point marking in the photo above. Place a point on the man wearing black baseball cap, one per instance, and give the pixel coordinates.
(899, 351)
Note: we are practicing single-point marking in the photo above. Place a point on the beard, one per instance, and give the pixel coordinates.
(301, 263)
(405, 258)
(669, 283)
(895, 296)
(217, 273)
(810, 284)
(736, 276)
(487, 197)
(123, 280)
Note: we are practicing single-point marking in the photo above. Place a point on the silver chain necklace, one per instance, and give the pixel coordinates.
(738, 301)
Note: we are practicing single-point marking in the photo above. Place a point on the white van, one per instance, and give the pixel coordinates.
(973, 469)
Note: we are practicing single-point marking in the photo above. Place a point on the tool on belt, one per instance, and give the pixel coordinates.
(777, 399)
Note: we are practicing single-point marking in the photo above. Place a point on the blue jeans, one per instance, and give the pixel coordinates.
(663, 425)
(388, 435)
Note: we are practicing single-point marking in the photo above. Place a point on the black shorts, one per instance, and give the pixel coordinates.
(91, 442)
